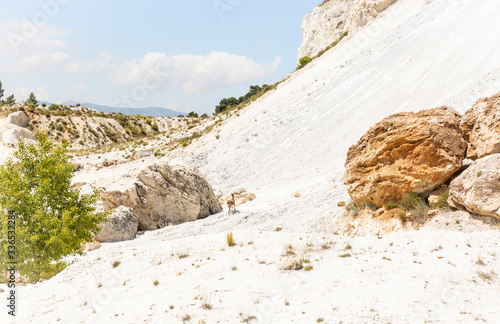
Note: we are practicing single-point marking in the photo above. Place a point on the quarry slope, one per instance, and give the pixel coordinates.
(417, 55)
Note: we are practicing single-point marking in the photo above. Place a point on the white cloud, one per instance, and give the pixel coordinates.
(20, 38)
(21, 93)
(97, 66)
(32, 48)
(192, 73)
(78, 93)
(43, 61)
(77, 90)
(41, 94)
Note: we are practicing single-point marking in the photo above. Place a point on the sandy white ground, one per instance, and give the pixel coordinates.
(419, 54)
(404, 277)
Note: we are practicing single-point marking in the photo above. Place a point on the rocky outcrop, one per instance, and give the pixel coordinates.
(14, 135)
(165, 194)
(477, 189)
(481, 127)
(121, 226)
(19, 118)
(328, 21)
(405, 153)
(12, 128)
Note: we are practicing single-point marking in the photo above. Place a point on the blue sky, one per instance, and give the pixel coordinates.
(184, 55)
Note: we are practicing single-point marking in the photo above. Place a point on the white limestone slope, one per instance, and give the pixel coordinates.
(419, 54)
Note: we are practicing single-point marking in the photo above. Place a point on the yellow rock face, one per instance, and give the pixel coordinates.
(405, 153)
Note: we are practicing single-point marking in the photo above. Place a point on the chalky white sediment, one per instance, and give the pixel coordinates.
(417, 55)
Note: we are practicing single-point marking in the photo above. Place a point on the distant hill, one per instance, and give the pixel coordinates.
(150, 111)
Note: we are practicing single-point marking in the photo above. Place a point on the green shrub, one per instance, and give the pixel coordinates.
(391, 205)
(154, 127)
(60, 128)
(53, 219)
(304, 61)
(442, 202)
(410, 201)
(402, 217)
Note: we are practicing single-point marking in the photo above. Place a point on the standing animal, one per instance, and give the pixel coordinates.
(231, 205)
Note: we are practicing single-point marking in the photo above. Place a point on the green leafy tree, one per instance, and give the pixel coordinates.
(53, 219)
(10, 100)
(192, 114)
(225, 103)
(1, 90)
(32, 100)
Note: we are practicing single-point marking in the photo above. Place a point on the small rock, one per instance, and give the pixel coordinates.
(341, 204)
(108, 163)
(78, 184)
(91, 246)
(297, 194)
(291, 264)
(121, 226)
(140, 155)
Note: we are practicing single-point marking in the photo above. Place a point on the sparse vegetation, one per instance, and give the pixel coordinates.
(391, 205)
(417, 206)
(332, 45)
(442, 202)
(247, 319)
(352, 209)
(487, 276)
(116, 264)
(230, 239)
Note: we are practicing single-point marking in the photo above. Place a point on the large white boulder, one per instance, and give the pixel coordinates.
(14, 135)
(19, 118)
(164, 194)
